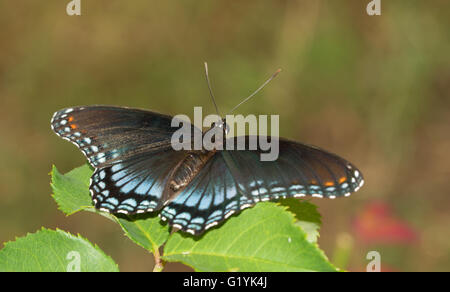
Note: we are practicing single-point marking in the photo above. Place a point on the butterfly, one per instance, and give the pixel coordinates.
(136, 169)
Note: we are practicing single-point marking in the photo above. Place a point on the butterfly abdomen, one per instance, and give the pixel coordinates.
(188, 169)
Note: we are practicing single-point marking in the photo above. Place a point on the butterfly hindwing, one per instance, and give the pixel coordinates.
(136, 185)
(210, 198)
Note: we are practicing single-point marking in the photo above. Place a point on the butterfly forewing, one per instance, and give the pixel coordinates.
(300, 170)
(106, 134)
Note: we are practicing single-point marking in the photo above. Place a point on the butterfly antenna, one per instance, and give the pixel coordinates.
(210, 89)
(257, 90)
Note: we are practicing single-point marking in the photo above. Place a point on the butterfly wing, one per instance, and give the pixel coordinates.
(130, 150)
(136, 185)
(233, 180)
(106, 134)
(300, 170)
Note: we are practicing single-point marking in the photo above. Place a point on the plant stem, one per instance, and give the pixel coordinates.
(159, 263)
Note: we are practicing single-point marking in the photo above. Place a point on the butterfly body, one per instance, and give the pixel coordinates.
(188, 168)
(138, 171)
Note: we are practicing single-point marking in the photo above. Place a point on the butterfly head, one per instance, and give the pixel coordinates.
(222, 124)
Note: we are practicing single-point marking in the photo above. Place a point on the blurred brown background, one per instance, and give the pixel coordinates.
(374, 89)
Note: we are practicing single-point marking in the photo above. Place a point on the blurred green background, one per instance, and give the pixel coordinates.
(374, 89)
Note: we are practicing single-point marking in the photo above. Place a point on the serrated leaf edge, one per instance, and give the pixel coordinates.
(63, 232)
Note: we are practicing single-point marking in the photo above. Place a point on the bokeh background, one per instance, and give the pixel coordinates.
(374, 89)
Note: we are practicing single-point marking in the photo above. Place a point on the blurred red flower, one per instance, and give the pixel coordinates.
(376, 223)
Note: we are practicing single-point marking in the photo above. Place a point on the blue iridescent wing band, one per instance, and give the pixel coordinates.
(211, 197)
(135, 185)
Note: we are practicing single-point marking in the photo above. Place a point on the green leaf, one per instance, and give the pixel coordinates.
(54, 251)
(145, 230)
(306, 215)
(71, 193)
(263, 238)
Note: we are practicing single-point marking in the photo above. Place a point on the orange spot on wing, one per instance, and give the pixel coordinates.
(70, 119)
(313, 182)
(342, 179)
(73, 126)
(329, 184)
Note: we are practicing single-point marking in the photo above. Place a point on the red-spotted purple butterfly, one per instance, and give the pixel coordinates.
(138, 171)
